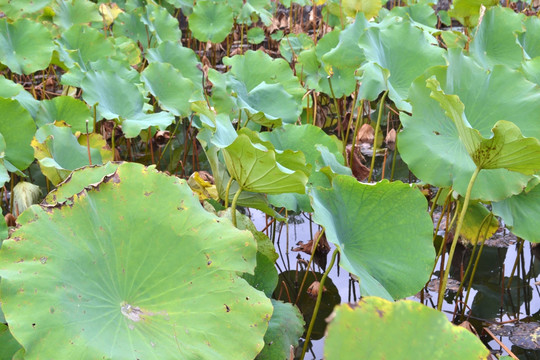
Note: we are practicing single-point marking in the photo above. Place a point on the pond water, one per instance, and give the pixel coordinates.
(489, 302)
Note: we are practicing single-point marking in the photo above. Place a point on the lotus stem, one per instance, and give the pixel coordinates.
(318, 303)
(356, 129)
(233, 205)
(88, 143)
(442, 285)
(379, 116)
(394, 156)
(227, 189)
(170, 140)
(340, 120)
(350, 121)
(313, 249)
(522, 242)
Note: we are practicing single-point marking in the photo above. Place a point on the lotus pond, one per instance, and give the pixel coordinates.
(265, 179)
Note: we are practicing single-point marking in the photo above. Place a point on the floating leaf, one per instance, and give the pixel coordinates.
(375, 328)
(211, 21)
(163, 296)
(392, 254)
(25, 46)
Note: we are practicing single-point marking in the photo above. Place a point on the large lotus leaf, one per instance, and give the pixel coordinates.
(347, 51)
(119, 67)
(265, 276)
(171, 89)
(495, 41)
(304, 138)
(467, 12)
(383, 232)
(25, 46)
(79, 180)
(256, 169)
(506, 149)
(65, 108)
(255, 67)
(370, 8)
(131, 26)
(82, 44)
(8, 345)
(4, 175)
(9, 89)
(479, 223)
(441, 158)
(530, 38)
(294, 44)
(520, 212)
(127, 50)
(20, 8)
(161, 24)
(420, 12)
(182, 58)
(405, 51)
(375, 328)
(68, 13)
(17, 128)
(211, 21)
(285, 328)
(59, 152)
(95, 276)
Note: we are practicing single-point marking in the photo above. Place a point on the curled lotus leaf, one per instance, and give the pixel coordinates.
(133, 267)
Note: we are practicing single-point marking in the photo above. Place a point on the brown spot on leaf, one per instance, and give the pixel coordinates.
(227, 308)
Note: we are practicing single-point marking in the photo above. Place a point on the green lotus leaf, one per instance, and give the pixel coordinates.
(118, 98)
(250, 11)
(440, 158)
(8, 345)
(182, 58)
(289, 291)
(285, 328)
(130, 25)
(68, 13)
(171, 89)
(161, 24)
(65, 108)
(467, 12)
(305, 138)
(257, 169)
(530, 38)
(95, 276)
(454, 39)
(495, 39)
(9, 89)
(211, 21)
(59, 152)
(347, 52)
(507, 149)
(294, 44)
(265, 276)
(478, 224)
(25, 46)
(4, 175)
(375, 328)
(405, 51)
(127, 50)
(420, 12)
(520, 211)
(81, 45)
(120, 67)
(370, 8)
(79, 180)
(393, 253)
(21, 8)
(17, 128)
(256, 35)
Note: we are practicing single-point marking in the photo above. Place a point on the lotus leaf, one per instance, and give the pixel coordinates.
(293, 44)
(25, 46)
(495, 39)
(211, 21)
(96, 141)
(405, 51)
(256, 35)
(127, 50)
(392, 254)
(17, 128)
(285, 328)
(116, 290)
(375, 328)
(8, 345)
(131, 26)
(161, 24)
(9, 89)
(59, 152)
(370, 8)
(530, 39)
(520, 212)
(20, 8)
(441, 158)
(467, 12)
(65, 108)
(305, 138)
(4, 175)
(256, 168)
(171, 89)
(68, 13)
(479, 223)
(182, 58)
(420, 12)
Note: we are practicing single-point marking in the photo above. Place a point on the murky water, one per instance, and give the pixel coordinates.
(493, 298)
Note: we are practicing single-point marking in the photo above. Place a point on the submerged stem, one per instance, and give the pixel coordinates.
(318, 303)
(442, 285)
(379, 116)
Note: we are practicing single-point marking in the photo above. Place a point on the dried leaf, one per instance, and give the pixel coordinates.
(391, 140)
(314, 288)
(366, 134)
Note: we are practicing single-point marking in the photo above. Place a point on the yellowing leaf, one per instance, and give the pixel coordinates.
(110, 12)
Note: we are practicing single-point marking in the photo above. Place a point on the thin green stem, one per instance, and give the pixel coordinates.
(313, 250)
(233, 205)
(394, 156)
(356, 129)
(379, 116)
(318, 303)
(340, 120)
(227, 189)
(350, 120)
(170, 140)
(522, 242)
(442, 286)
